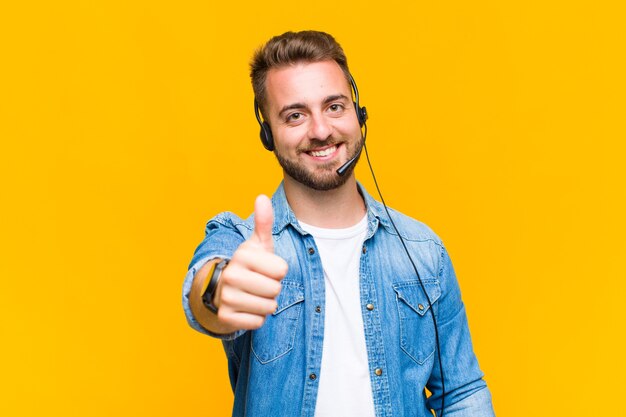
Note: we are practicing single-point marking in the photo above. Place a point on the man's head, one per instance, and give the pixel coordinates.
(292, 48)
(302, 85)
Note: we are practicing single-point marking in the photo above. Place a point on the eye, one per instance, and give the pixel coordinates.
(294, 117)
(334, 108)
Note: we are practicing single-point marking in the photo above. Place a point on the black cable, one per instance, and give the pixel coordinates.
(432, 312)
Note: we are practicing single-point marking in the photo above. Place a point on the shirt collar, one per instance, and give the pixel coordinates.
(284, 216)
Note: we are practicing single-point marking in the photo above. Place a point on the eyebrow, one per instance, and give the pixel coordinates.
(334, 98)
(296, 106)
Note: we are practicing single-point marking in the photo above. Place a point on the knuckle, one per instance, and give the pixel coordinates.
(276, 289)
(226, 297)
(268, 307)
(282, 268)
(224, 315)
(252, 322)
(240, 252)
(231, 278)
(248, 246)
(227, 277)
(258, 321)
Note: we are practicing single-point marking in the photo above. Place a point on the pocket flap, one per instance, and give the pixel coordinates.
(291, 293)
(412, 294)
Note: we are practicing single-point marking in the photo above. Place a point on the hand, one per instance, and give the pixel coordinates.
(249, 285)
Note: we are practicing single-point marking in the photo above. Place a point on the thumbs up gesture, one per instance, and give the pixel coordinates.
(249, 285)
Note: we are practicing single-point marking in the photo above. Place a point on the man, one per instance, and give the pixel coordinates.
(318, 304)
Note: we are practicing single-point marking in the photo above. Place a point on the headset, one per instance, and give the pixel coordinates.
(361, 113)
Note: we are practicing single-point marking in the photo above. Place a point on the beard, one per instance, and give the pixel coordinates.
(324, 177)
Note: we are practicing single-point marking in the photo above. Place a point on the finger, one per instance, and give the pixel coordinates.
(242, 302)
(251, 282)
(244, 321)
(264, 263)
(263, 222)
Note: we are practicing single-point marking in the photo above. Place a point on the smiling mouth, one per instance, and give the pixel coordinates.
(324, 152)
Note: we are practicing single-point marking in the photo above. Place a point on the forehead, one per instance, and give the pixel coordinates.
(305, 83)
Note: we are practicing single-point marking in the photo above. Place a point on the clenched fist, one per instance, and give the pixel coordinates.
(249, 285)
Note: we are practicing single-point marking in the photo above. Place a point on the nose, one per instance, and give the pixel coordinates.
(319, 127)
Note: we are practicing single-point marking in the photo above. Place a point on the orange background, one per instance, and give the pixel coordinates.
(126, 125)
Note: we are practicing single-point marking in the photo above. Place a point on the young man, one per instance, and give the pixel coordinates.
(319, 305)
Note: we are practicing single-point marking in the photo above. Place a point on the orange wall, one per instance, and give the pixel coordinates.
(126, 125)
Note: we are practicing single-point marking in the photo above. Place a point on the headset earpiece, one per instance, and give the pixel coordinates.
(361, 112)
(266, 136)
(266, 131)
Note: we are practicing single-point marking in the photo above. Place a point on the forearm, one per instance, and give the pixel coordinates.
(206, 318)
(198, 316)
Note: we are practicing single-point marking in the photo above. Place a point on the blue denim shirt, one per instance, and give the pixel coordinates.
(275, 370)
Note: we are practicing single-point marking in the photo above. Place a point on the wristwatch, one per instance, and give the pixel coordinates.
(213, 278)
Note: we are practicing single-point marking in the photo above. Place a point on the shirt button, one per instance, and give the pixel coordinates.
(312, 377)
(370, 307)
(311, 251)
(364, 249)
(378, 371)
(420, 306)
(318, 309)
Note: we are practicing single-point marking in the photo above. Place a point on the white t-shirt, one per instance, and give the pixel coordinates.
(344, 382)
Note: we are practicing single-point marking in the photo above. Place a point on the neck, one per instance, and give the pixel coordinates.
(334, 209)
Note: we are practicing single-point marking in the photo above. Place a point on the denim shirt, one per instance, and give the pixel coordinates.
(275, 370)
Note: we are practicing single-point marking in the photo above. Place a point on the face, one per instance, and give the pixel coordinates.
(314, 123)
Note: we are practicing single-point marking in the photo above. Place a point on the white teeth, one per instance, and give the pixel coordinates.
(325, 152)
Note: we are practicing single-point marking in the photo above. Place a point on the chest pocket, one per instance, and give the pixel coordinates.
(417, 330)
(276, 337)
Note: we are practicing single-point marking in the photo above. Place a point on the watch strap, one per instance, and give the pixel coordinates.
(212, 280)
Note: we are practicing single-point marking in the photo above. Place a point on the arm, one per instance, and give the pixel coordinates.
(247, 289)
(466, 393)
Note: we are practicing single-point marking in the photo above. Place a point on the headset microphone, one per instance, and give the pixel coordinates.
(361, 115)
(342, 169)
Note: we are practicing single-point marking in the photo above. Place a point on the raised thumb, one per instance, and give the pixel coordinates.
(263, 222)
